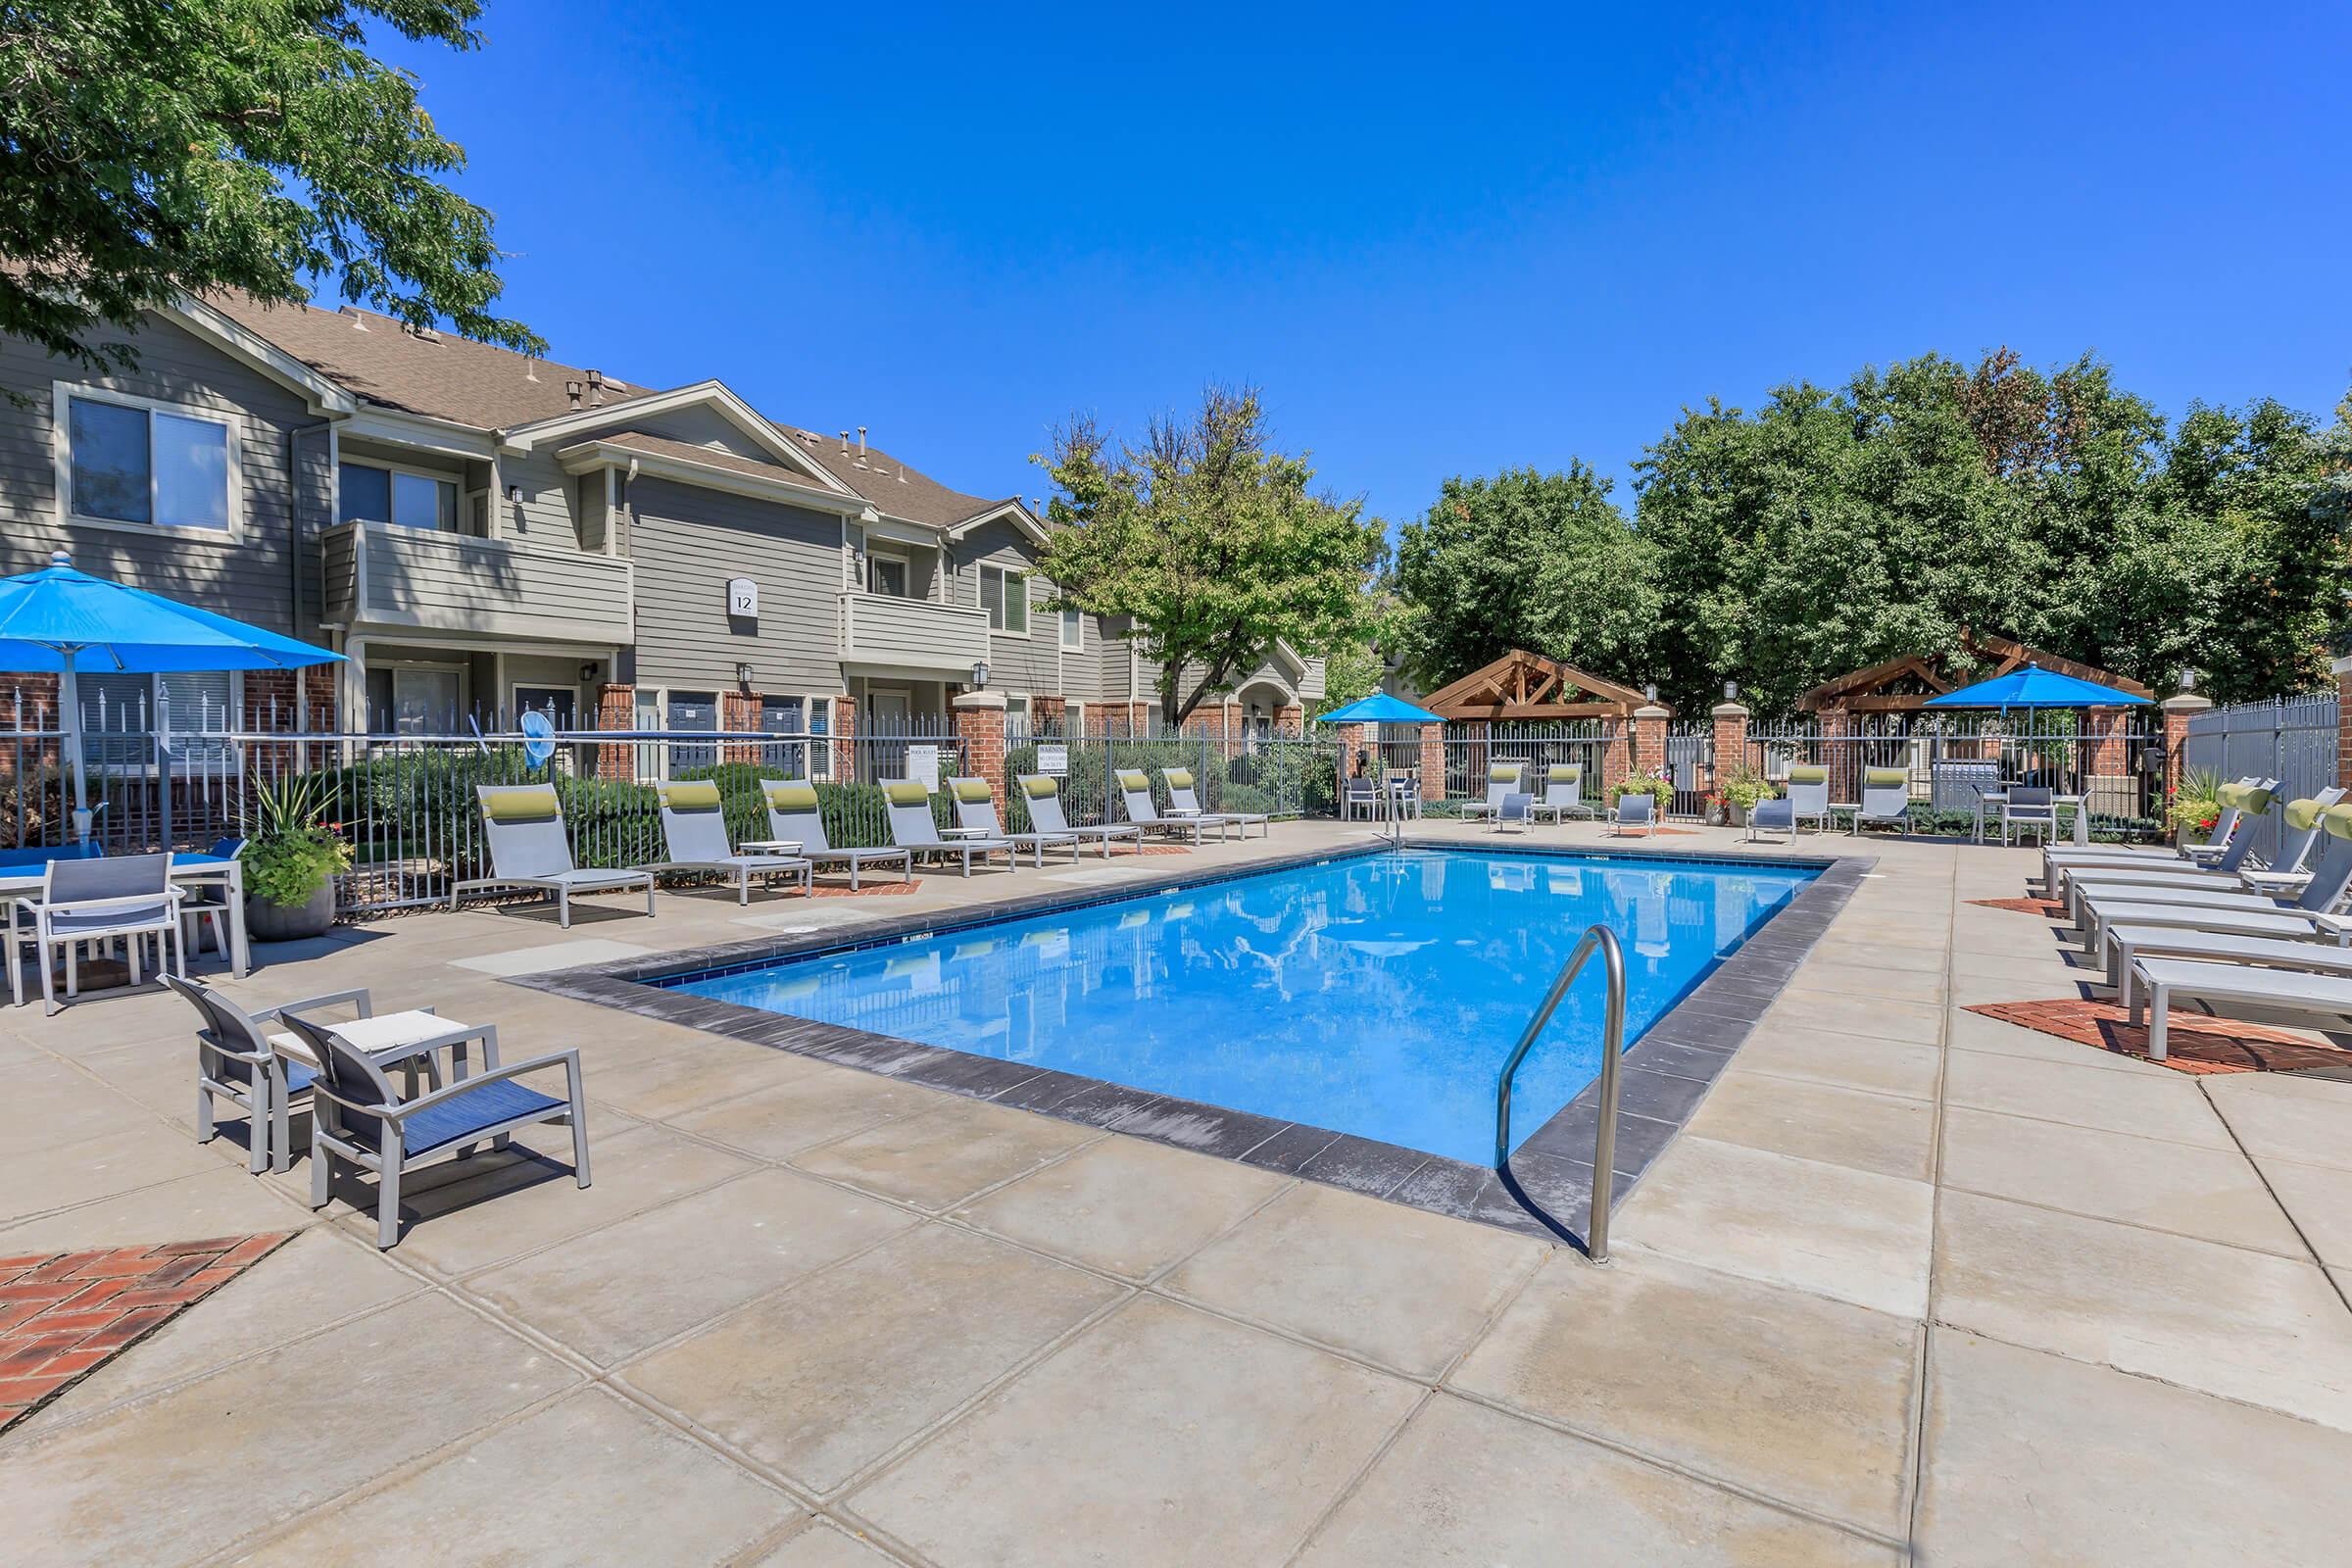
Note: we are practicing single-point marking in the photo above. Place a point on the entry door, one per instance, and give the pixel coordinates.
(555, 701)
(884, 757)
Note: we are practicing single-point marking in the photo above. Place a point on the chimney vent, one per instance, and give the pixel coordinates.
(530, 369)
(844, 442)
(571, 390)
(358, 322)
(596, 389)
(862, 440)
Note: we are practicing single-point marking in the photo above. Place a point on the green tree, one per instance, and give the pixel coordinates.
(152, 150)
(1544, 562)
(1210, 540)
(1352, 667)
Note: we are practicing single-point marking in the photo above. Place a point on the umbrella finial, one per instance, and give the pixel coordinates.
(61, 557)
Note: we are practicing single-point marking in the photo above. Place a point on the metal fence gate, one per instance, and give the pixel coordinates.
(1690, 766)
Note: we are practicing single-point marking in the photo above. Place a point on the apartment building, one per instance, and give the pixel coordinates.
(482, 532)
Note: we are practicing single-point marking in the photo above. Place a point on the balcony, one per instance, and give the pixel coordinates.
(885, 636)
(379, 577)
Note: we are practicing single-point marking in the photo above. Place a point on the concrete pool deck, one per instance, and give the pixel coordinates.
(1912, 1281)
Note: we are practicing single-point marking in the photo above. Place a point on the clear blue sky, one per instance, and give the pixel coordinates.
(1443, 240)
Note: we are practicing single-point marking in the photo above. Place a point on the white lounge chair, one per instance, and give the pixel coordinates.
(1046, 813)
(2284, 877)
(1885, 799)
(1808, 796)
(1135, 791)
(2057, 855)
(2127, 943)
(1182, 802)
(976, 812)
(1502, 779)
(1563, 792)
(2162, 982)
(694, 835)
(529, 848)
(794, 819)
(912, 829)
(2312, 913)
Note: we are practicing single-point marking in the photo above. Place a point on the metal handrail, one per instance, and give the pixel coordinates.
(1604, 1139)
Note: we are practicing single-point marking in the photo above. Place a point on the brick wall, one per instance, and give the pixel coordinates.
(615, 709)
(980, 722)
(1649, 741)
(845, 737)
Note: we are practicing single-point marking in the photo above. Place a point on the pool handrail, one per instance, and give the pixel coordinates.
(1612, 1046)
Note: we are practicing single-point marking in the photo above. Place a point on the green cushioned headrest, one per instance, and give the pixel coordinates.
(1503, 773)
(1880, 778)
(2232, 795)
(2257, 801)
(2338, 820)
(789, 794)
(1179, 778)
(972, 790)
(698, 796)
(1129, 779)
(1808, 775)
(519, 803)
(1565, 772)
(907, 792)
(1036, 787)
(2301, 815)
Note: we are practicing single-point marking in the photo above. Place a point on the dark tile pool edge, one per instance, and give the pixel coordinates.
(1665, 1076)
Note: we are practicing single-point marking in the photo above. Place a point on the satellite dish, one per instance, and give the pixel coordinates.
(538, 738)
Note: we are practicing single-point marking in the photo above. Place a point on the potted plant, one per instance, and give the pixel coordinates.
(1740, 789)
(1660, 789)
(291, 862)
(2196, 805)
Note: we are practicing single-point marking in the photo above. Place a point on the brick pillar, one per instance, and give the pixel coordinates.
(1290, 720)
(2178, 712)
(1352, 742)
(2107, 754)
(615, 709)
(980, 721)
(1650, 740)
(1844, 755)
(1616, 757)
(1433, 762)
(1730, 739)
(1045, 713)
(845, 738)
(739, 712)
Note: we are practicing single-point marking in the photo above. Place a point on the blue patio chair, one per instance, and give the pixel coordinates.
(1808, 795)
(236, 1062)
(95, 901)
(358, 1117)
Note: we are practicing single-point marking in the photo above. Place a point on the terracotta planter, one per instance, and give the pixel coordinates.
(265, 921)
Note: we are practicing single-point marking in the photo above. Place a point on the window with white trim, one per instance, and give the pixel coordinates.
(372, 492)
(1005, 595)
(121, 714)
(1073, 630)
(138, 461)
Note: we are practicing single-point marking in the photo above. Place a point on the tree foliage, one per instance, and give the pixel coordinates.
(149, 151)
(1210, 540)
(1544, 562)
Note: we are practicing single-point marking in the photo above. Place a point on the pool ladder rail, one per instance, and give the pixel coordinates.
(1603, 941)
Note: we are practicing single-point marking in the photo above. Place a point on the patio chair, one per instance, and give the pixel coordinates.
(1502, 779)
(1182, 802)
(529, 848)
(694, 835)
(2217, 843)
(1045, 814)
(976, 812)
(1808, 795)
(2324, 1001)
(2248, 797)
(358, 1117)
(1359, 795)
(1135, 792)
(1404, 787)
(1772, 813)
(2127, 943)
(794, 819)
(1516, 812)
(912, 829)
(83, 902)
(236, 1062)
(1635, 811)
(2310, 913)
(2030, 807)
(1885, 799)
(1563, 792)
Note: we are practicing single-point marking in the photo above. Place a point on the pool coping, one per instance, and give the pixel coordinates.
(1662, 1080)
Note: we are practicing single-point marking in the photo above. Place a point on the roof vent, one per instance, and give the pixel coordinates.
(844, 442)
(425, 334)
(862, 441)
(530, 369)
(358, 322)
(571, 390)
(596, 389)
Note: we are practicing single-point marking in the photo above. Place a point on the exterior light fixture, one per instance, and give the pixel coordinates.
(979, 673)
(588, 671)
(514, 494)
(2189, 679)
(1650, 691)
(1731, 691)
(743, 676)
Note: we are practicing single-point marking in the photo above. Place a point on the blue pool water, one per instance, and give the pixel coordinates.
(1376, 994)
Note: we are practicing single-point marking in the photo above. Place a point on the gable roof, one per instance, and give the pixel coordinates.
(1524, 685)
(1871, 689)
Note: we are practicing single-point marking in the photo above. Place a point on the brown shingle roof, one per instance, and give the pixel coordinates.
(663, 447)
(877, 476)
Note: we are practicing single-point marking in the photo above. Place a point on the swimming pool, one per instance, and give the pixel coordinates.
(1375, 995)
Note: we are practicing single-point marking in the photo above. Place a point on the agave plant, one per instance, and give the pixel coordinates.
(292, 852)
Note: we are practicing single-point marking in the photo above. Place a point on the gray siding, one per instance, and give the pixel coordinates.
(1019, 663)
(686, 542)
(252, 578)
(547, 515)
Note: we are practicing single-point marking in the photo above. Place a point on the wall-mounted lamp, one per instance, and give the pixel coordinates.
(979, 674)
(1731, 691)
(514, 495)
(743, 676)
(589, 671)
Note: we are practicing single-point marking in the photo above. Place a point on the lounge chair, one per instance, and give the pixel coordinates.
(794, 820)
(2217, 843)
(2032, 808)
(2228, 874)
(1043, 794)
(2127, 943)
(2304, 994)
(97, 900)
(976, 812)
(529, 848)
(1563, 792)
(1808, 796)
(1516, 812)
(912, 828)
(1772, 813)
(1635, 811)
(694, 835)
(1182, 802)
(1885, 799)
(2248, 798)
(2302, 830)
(1135, 790)
(2311, 914)
(236, 1062)
(1502, 779)
(358, 1117)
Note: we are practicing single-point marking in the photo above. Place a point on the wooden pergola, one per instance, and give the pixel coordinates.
(1521, 685)
(1905, 685)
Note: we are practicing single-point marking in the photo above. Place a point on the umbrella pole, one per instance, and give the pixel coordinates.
(68, 696)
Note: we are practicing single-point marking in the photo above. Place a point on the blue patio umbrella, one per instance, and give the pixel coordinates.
(1379, 709)
(62, 621)
(2035, 687)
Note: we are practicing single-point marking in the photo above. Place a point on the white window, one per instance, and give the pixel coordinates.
(1073, 630)
(372, 493)
(1005, 595)
(887, 575)
(133, 461)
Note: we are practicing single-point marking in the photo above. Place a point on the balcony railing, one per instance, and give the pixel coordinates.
(885, 635)
(378, 575)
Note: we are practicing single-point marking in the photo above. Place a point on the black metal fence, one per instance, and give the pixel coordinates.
(1950, 762)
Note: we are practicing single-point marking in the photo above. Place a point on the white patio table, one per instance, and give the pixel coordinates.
(21, 882)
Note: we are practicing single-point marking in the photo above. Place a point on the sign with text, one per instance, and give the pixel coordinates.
(1054, 760)
(743, 599)
(922, 762)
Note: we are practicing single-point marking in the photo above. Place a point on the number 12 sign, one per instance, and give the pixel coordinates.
(743, 598)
